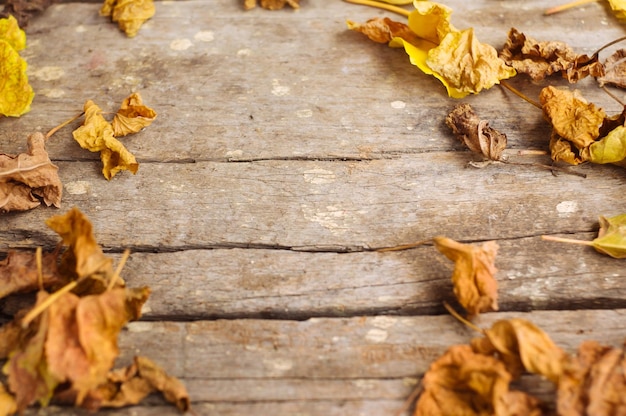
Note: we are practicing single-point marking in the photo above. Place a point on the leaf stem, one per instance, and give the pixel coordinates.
(464, 321)
(404, 246)
(379, 5)
(566, 240)
(566, 6)
(120, 266)
(60, 126)
(39, 309)
(39, 261)
(613, 96)
(519, 94)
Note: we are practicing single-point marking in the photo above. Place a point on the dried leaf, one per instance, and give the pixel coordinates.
(83, 260)
(96, 135)
(614, 70)
(271, 4)
(474, 284)
(522, 346)
(18, 273)
(129, 14)
(7, 403)
(541, 59)
(476, 133)
(132, 116)
(29, 178)
(619, 8)
(593, 382)
(16, 94)
(10, 334)
(612, 236)
(23, 10)
(609, 149)
(10, 31)
(383, 30)
(462, 382)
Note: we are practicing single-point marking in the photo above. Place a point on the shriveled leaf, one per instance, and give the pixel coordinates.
(571, 116)
(84, 259)
(541, 59)
(476, 133)
(7, 402)
(10, 31)
(96, 135)
(29, 178)
(16, 94)
(619, 8)
(430, 21)
(615, 70)
(132, 116)
(271, 4)
(593, 382)
(24, 10)
(474, 283)
(129, 14)
(9, 338)
(467, 65)
(462, 382)
(522, 346)
(383, 30)
(18, 273)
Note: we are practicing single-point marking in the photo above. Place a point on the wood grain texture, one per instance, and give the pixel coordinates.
(288, 149)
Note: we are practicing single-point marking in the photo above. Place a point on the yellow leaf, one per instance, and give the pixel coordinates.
(10, 31)
(430, 21)
(132, 116)
(467, 65)
(96, 135)
(609, 149)
(16, 94)
(129, 14)
(619, 8)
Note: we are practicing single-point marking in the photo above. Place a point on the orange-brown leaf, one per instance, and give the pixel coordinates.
(382, 30)
(132, 116)
(474, 283)
(476, 133)
(271, 4)
(18, 273)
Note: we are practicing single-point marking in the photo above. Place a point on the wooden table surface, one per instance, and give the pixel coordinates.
(287, 149)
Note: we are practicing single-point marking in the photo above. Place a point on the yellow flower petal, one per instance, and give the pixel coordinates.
(16, 94)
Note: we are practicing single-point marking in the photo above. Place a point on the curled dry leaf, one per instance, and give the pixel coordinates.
(473, 278)
(7, 402)
(476, 133)
(456, 58)
(23, 10)
(96, 135)
(614, 70)
(522, 346)
(541, 59)
(18, 273)
(462, 382)
(16, 94)
(132, 116)
(619, 8)
(129, 14)
(593, 382)
(29, 178)
(271, 4)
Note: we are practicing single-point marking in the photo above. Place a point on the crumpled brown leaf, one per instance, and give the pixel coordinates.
(474, 283)
(18, 273)
(383, 29)
(541, 59)
(614, 70)
(24, 10)
(96, 135)
(129, 14)
(132, 116)
(593, 382)
(29, 178)
(462, 382)
(522, 346)
(476, 133)
(271, 4)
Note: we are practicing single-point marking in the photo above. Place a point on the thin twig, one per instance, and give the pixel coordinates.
(566, 240)
(379, 5)
(120, 266)
(566, 6)
(404, 246)
(39, 309)
(613, 96)
(39, 261)
(519, 94)
(464, 321)
(60, 126)
(611, 43)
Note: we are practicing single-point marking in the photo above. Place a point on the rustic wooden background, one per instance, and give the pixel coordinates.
(286, 151)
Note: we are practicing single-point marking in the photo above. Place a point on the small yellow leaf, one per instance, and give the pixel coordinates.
(132, 116)
(619, 8)
(129, 14)
(10, 31)
(16, 94)
(609, 149)
(96, 135)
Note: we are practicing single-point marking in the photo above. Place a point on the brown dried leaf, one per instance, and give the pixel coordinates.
(9, 338)
(541, 59)
(615, 70)
(7, 402)
(132, 116)
(129, 14)
(24, 10)
(29, 178)
(382, 30)
(593, 382)
(83, 260)
(271, 4)
(462, 382)
(18, 273)
(474, 284)
(522, 346)
(476, 133)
